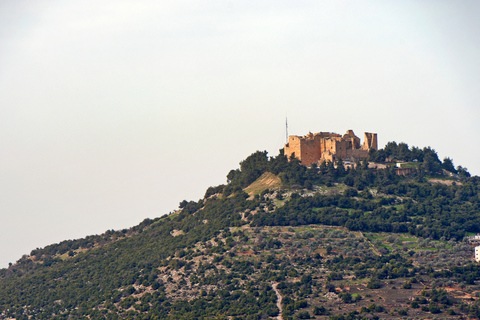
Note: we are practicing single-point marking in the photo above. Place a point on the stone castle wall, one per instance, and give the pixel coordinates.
(328, 146)
(357, 154)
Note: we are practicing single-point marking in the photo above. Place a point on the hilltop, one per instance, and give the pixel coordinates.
(279, 240)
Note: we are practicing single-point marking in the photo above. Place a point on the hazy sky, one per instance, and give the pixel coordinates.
(115, 111)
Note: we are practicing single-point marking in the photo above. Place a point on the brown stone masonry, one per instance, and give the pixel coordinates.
(328, 146)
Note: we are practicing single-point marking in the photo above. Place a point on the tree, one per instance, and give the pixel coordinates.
(183, 204)
(373, 284)
(448, 165)
(346, 297)
(431, 163)
(391, 149)
(403, 152)
(463, 172)
(331, 172)
(232, 175)
(318, 311)
(329, 249)
(250, 169)
(340, 168)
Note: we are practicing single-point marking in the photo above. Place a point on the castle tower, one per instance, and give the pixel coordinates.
(370, 141)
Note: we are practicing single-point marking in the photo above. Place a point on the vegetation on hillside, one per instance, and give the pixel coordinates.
(330, 242)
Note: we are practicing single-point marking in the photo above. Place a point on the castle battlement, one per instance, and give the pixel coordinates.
(328, 146)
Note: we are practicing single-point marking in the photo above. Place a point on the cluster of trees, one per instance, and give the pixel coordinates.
(427, 157)
(93, 277)
(294, 174)
(468, 274)
(389, 266)
(63, 280)
(429, 211)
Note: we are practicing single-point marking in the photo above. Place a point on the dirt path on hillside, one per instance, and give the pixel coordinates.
(359, 233)
(279, 301)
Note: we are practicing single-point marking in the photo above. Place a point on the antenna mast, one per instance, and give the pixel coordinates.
(286, 130)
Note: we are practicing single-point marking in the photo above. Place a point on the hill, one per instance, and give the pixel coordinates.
(279, 240)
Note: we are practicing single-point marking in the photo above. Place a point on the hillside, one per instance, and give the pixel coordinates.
(281, 241)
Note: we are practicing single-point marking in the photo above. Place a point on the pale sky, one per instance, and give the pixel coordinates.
(115, 111)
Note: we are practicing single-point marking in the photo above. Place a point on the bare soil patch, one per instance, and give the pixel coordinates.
(445, 182)
(266, 181)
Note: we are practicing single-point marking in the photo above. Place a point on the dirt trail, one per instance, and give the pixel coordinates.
(279, 301)
(361, 235)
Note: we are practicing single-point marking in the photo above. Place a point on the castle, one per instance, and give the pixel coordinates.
(327, 146)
